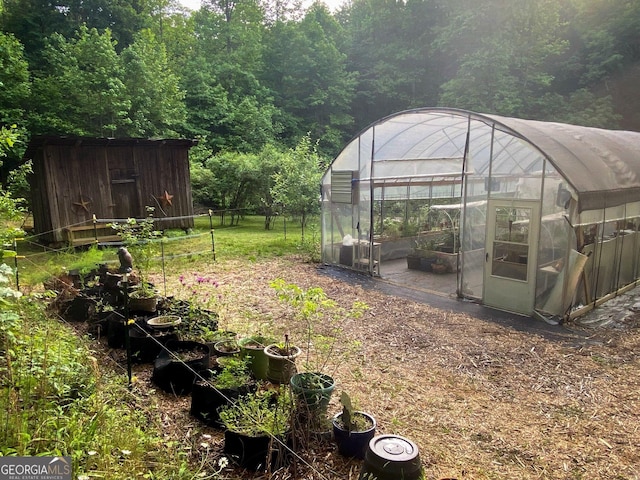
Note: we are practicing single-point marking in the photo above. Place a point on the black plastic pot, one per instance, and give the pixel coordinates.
(391, 457)
(207, 400)
(147, 345)
(253, 453)
(80, 309)
(177, 375)
(353, 444)
(115, 330)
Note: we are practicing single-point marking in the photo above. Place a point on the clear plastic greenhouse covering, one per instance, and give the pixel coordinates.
(545, 212)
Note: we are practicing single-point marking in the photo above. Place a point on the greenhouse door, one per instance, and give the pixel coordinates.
(511, 250)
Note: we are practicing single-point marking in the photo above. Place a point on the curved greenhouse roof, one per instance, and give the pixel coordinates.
(538, 217)
(602, 166)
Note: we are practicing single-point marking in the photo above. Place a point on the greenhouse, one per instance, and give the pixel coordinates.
(536, 218)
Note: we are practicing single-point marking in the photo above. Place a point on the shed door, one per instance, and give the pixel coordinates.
(124, 190)
(511, 250)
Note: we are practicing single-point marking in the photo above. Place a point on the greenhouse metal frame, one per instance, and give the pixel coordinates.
(536, 218)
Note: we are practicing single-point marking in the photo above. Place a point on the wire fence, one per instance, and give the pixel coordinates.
(28, 251)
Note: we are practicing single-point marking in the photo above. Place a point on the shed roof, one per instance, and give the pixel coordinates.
(603, 166)
(43, 140)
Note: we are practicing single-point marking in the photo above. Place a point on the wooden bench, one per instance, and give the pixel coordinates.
(88, 234)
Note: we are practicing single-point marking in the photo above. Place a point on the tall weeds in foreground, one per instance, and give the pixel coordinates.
(55, 401)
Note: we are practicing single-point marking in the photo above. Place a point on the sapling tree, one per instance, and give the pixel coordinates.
(314, 309)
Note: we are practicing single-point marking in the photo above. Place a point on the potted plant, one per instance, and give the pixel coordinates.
(314, 309)
(226, 348)
(140, 238)
(213, 390)
(254, 425)
(312, 390)
(422, 255)
(281, 361)
(352, 429)
(252, 350)
(177, 366)
(146, 345)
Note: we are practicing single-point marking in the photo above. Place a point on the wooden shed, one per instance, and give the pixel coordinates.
(77, 179)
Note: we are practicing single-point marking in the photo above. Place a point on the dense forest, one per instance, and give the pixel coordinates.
(247, 76)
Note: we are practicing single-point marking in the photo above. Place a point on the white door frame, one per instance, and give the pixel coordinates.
(511, 255)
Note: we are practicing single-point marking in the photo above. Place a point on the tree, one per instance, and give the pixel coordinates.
(504, 48)
(34, 21)
(390, 48)
(227, 105)
(308, 71)
(14, 80)
(296, 186)
(10, 208)
(157, 102)
(82, 92)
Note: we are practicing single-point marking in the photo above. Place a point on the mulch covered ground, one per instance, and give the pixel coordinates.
(481, 399)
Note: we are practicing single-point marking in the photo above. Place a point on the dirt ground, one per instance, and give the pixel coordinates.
(483, 394)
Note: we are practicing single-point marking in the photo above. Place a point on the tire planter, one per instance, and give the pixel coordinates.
(281, 368)
(312, 390)
(252, 452)
(390, 457)
(353, 444)
(146, 346)
(252, 349)
(206, 399)
(177, 376)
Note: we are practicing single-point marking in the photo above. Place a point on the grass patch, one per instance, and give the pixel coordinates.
(54, 400)
(247, 240)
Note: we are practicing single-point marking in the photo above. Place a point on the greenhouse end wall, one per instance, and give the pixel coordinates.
(515, 219)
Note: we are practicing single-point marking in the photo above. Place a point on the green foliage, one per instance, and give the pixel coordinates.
(11, 209)
(14, 80)
(310, 75)
(295, 185)
(324, 319)
(81, 92)
(7, 296)
(234, 374)
(258, 414)
(157, 102)
(350, 419)
(55, 401)
(141, 239)
(87, 262)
